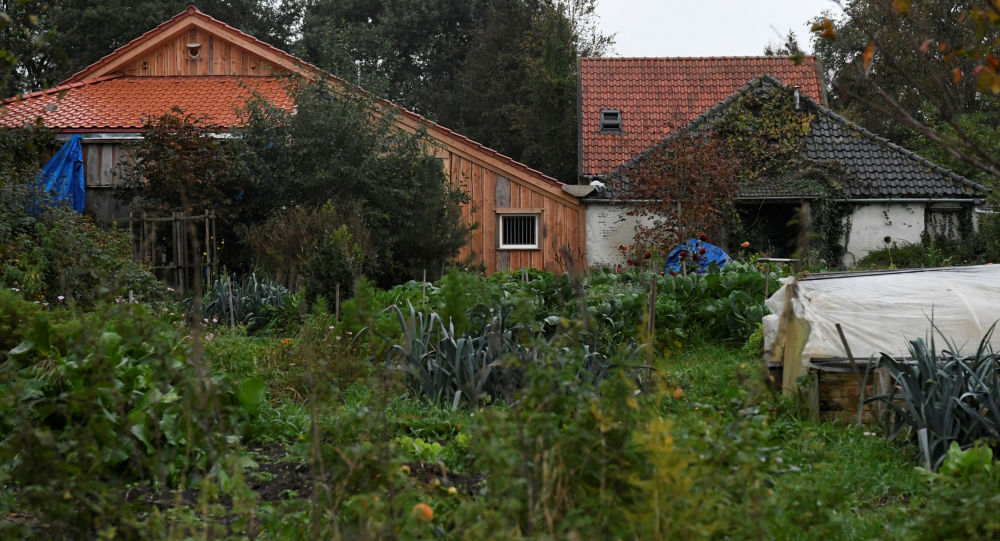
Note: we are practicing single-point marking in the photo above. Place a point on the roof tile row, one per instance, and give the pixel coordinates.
(674, 91)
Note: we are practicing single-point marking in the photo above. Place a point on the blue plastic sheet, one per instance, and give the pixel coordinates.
(62, 176)
(696, 256)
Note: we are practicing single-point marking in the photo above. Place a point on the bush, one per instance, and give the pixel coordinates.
(314, 247)
(90, 403)
(961, 499)
(55, 255)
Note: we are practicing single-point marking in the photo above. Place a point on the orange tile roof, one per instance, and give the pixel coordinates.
(118, 103)
(657, 95)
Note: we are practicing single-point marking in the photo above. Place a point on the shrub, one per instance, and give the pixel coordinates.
(55, 255)
(345, 148)
(962, 498)
(108, 398)
(314, 246)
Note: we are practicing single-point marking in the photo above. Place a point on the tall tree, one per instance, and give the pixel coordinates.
(922, 65)
(341, 147)
(501, 72)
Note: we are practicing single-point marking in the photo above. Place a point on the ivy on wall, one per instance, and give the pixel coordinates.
(756, 141)
(765, 131)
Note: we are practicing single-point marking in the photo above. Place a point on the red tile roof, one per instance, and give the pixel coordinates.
(117, 103)
(657, 95)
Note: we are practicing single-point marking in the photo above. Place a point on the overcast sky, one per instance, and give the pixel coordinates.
(706, 27)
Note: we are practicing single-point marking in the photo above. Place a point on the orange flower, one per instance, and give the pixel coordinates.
(746, 244)
(678, 393)
(286, 341)
(423, 512)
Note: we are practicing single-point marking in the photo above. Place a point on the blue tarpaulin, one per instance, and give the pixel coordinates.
(697, 255)
(62, 176)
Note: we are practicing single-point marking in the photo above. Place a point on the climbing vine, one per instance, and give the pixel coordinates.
(688, 182)
(765, 132)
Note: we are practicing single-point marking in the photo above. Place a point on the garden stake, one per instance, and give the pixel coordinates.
(854, 366)
(232, 316)
(651, 324)
(336, 303)
(423, 290)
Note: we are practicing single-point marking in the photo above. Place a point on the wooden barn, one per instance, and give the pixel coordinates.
(209, 69)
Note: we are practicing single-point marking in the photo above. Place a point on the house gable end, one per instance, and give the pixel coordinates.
(878, 167)
(224, 50)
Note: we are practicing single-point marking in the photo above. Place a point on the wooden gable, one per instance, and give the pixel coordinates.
(193, 44)
(197, 51)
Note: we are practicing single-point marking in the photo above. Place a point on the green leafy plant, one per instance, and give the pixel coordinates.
(944, 398)
(474, 369)
(57, 256)
(251, 301)
(89, 404)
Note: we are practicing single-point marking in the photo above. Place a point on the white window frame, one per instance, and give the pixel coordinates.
(519, 213)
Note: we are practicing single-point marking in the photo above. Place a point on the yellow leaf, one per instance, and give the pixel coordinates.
(866, 56)
(825, 29)
(632, 402)
(901, 6)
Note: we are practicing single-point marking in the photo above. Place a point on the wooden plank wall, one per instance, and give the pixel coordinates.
(488, 191)
(561, 222)
(100, 161)
(216, 57)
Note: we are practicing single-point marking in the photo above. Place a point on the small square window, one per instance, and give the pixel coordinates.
(611, 120)
(518, 231)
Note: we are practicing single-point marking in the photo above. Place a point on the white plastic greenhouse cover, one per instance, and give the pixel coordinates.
(882, 312)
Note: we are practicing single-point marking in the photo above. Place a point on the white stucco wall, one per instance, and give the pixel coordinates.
(608, 227)
(870, 224)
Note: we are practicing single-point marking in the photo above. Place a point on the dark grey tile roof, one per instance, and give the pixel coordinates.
(874, 167)
(877, 167)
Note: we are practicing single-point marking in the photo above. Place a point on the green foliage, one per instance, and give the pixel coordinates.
(56, 256)
(976, 460)
(334, 267)
(765, 132)
(23, 152)
(344, 148)
(944, 399)
(432, 56)
(448, 368)
(968, 481)
(181, 166)
(111, 397)
(253, 301)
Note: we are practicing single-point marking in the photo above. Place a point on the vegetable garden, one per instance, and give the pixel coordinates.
(518, 405)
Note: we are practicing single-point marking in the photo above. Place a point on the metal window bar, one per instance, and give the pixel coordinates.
(519, 231)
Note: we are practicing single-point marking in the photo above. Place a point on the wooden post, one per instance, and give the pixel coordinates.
(336, 302)
(651, 325)
(232, 310)
(854, 366)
